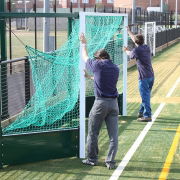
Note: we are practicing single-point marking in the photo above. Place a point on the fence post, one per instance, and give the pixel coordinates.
(135, 17)
(1, 145)
(119, 10)
(10, 38)
(3, 82)
(95, 8)
(3, 55)
(147, 14)
(167, 38)
(70, 22)
(171, 19)
(165, 20)
(161, 18)
(153, 16)
(71, 6)
(27, 80)
(55, 24)
(144, 16)
(84, 8)
(140, 18)
(35, 24)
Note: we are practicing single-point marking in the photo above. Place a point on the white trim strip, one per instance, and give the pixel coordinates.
(140, 138)
(125, 60)
(102, 14)
(82, 110)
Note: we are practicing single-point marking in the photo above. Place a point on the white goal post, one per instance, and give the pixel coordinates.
(150, 36)
(82, 16)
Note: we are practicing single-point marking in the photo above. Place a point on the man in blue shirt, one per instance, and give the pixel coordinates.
(105, 107)
(142, 54)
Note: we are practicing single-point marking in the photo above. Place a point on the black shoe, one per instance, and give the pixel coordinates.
(88, 162)
(140, 115)
(110, 165)
(144, 119)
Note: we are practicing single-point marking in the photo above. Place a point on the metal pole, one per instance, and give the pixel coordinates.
(70, 24)
(161, 5)
(55, 24)
(133, 11)
(79, 4)
(176, 16)
(3, 70)
(35, 25)
(125, 42)
(10, 37)
(3, 81)
(2, 32)
(27, 81)
(46, 27)
(82, 93)
(25, 10)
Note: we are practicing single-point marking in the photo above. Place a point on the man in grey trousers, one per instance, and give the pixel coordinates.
(105, 107)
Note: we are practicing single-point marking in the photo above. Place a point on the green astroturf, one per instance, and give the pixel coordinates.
(148, 160)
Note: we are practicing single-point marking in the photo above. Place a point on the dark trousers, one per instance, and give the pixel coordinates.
(104, 109)
(145, 87)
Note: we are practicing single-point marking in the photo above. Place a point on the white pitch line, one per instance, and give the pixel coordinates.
(173, 88)
(118, 171)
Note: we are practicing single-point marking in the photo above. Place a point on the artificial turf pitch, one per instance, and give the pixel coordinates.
(148, 161)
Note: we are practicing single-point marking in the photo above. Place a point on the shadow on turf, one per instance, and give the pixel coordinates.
(148, 169)
(167, 121)
(164, 79)
(56, 169)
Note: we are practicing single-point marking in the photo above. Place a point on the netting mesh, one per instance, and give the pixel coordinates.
(109, 36)
(56, 77)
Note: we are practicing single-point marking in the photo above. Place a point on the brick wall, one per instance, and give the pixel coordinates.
(146, 3)
(172, 4)
(66, 4)
(123, 3)
(139, 3)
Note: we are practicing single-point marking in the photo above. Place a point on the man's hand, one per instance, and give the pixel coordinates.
(86, 75)
(132, 36)
(128, 29)
(125, 48)
(84, 50)
(82, 39)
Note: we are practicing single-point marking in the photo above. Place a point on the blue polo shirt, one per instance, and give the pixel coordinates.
(105, 77)
(142, 54)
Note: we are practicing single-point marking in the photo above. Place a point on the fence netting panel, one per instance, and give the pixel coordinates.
(56, 77)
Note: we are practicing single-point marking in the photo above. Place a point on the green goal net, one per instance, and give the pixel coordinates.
(56, 77)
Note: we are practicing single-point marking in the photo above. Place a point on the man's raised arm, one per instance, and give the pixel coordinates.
(84, 49)
(132, 36)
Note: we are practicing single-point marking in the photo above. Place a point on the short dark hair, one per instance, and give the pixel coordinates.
(139, 39)
(101, 54)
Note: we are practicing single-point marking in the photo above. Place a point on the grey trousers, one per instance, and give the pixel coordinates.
(104, 109)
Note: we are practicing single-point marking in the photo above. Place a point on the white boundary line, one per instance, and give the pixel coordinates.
(118, 171)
